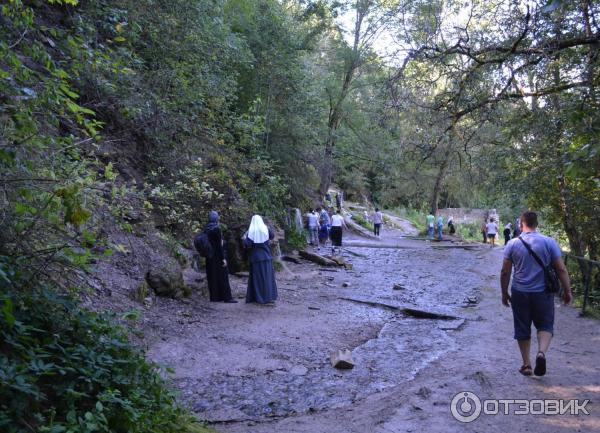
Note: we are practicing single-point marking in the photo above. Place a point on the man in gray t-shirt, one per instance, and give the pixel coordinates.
(312, 221)
(377, 221)
(529, 299)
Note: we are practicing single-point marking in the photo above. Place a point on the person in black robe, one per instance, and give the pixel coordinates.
(262, 287)
(217, 273)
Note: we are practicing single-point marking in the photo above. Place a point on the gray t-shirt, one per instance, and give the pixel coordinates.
(377, 218)
(528, 275)
(492, 228)
(313, 220)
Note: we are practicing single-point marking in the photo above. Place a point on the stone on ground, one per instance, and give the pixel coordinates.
(298, 370)
(342, 359)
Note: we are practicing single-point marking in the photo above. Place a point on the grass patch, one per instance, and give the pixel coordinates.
(416, 217)
(469, 231)
(591, 310)
(361, 221)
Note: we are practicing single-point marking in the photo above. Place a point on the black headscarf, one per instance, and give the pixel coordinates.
(213, 220)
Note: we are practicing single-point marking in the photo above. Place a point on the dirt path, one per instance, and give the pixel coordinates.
(249, 368)
(402, 225)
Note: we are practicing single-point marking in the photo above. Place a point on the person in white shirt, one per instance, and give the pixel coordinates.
(312, 220)
(337, 223)
(377, 221)
(491, 230)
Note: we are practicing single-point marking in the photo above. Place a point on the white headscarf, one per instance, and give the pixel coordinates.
(258, 231)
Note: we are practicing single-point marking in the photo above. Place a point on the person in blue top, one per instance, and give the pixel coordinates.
(529, 299)
(262, 287)
(324, 225)
(440, 227)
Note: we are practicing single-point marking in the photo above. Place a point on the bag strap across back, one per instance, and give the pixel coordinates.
(533, 253)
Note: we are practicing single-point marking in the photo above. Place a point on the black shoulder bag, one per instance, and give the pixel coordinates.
(550, 275)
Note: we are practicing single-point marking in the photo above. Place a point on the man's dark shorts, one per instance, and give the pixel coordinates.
(537, 307)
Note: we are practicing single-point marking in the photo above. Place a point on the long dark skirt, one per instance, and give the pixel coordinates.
(336, 236)
(217, 278)
(262, 287)
(506, 236)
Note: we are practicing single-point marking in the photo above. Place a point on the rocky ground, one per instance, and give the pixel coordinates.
(251, 368)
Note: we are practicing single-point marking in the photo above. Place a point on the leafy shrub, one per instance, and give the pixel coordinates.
(359, 219)
(295, 240)
(469, 231)
(66, 369)
(183, 197)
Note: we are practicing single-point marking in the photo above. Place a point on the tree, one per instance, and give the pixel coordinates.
(369, 18)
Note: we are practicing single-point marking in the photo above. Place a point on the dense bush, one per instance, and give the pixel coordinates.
(468, 231)
(66, 369)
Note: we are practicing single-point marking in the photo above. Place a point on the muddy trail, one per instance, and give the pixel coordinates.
(252, 368)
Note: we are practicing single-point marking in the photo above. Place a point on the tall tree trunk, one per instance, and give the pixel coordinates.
(336, 113)
(439, 179)
(335, 118)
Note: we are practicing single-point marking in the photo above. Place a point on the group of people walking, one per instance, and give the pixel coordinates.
(437, 228)
(323, 226)
(530, 298)
(262, 287)
(489, 230)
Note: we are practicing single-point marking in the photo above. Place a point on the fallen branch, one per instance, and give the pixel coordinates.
(291, 259)
(409, 311)
(355, 254)
(358, 229)
(338, 259)
(464, 247)
(315, 258)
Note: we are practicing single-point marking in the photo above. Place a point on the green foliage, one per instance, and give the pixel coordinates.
(360, 220)
(48, 188)
(295, 240)
(183, 196)
(469, 231)
(174, 247)
(62, 368)
(65, 369)
(416, 217)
